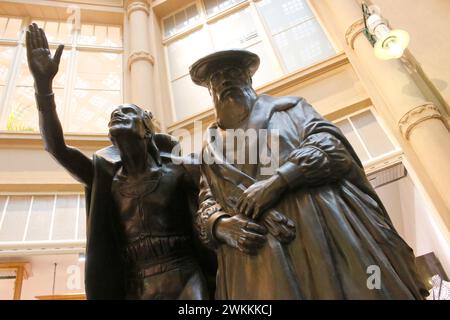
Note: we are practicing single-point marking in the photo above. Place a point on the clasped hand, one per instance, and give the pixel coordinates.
(241, 231)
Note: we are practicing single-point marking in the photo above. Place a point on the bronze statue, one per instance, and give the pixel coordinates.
(342, 229)
(140, 242)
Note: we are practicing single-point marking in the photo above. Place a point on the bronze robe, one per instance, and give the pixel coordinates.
(342, 227)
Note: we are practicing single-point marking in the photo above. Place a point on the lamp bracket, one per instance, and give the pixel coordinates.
(366, 32)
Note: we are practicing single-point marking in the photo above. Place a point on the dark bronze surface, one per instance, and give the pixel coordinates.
(319, 191)
(140, 241)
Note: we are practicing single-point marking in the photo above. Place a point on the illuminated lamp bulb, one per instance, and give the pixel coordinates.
(390, 44)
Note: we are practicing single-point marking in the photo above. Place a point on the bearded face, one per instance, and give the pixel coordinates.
(232, 94)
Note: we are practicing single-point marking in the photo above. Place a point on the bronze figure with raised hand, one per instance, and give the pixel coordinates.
(140, 203)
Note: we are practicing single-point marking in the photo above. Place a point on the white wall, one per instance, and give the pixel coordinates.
(414, 220)
(69, 276)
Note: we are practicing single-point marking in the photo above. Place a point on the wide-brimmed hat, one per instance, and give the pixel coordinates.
(201, 70)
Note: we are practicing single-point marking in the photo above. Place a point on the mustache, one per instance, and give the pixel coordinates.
(229, 89)
(115, 118)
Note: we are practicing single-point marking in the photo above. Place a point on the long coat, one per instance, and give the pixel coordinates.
(343, 231)
(105, 269)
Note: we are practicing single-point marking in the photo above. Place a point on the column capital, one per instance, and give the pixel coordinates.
(417, 115)
(137, 5)
(353, 31)
(140, 55)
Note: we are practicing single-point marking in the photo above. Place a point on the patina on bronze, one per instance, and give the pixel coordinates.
(140, 242)
(342, 228)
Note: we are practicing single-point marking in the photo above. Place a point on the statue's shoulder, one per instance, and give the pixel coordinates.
(165, 143)
(278, 104)
(109, 153)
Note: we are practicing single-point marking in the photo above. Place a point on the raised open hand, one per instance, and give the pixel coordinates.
(42, 66)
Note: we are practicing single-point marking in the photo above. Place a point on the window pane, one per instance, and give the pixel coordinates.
(114, 37)
(181, 20)
(169, 26)
(51, 30)
(351, 136)
(87, 34)
(65, 218)
(99, 70)
(56, 31)
(282, 14)
(100, 35)
(181, 54)
(82, 219)
(372, 134)
(267, 71)
(189, 98)
(216, 6)
(90, 110)
(25, 78)
(24, 115)
(15, 218)
(65, 32)
(6, 55)
(10, 28)
(237, 30)
(303, 45)
(2, 204)
(41, 214)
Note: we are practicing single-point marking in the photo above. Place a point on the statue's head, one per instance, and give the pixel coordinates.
(132, 121)
(228, 77)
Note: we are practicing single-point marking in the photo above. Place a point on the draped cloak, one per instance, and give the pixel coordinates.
(343, 231)
(105, 270)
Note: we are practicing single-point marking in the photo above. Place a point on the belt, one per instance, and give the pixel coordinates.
(152, 248)
(162, 264)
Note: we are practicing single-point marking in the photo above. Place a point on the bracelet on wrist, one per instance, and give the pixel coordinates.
(45, 100)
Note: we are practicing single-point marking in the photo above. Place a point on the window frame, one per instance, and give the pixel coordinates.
(6, 97)
(379, 159)
(266, 38)
(49, 240)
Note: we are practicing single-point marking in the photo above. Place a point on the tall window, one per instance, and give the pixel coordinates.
(40, 217)
(367, 137)
(87, 87)
(284, 33)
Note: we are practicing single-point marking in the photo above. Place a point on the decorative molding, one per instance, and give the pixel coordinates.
(136, 5)
(33, 140)
(355, 29)
(40, 188)
(417, 115)
(80, 296)
(140, 55)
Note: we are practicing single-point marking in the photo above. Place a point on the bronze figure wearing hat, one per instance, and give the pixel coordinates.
(318, 190)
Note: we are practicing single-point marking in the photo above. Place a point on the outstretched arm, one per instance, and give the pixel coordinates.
(44, 68)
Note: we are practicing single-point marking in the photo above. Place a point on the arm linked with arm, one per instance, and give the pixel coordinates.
(208, 213)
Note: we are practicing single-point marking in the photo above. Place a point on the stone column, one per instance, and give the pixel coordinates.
(421, 122)
(140, 60)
